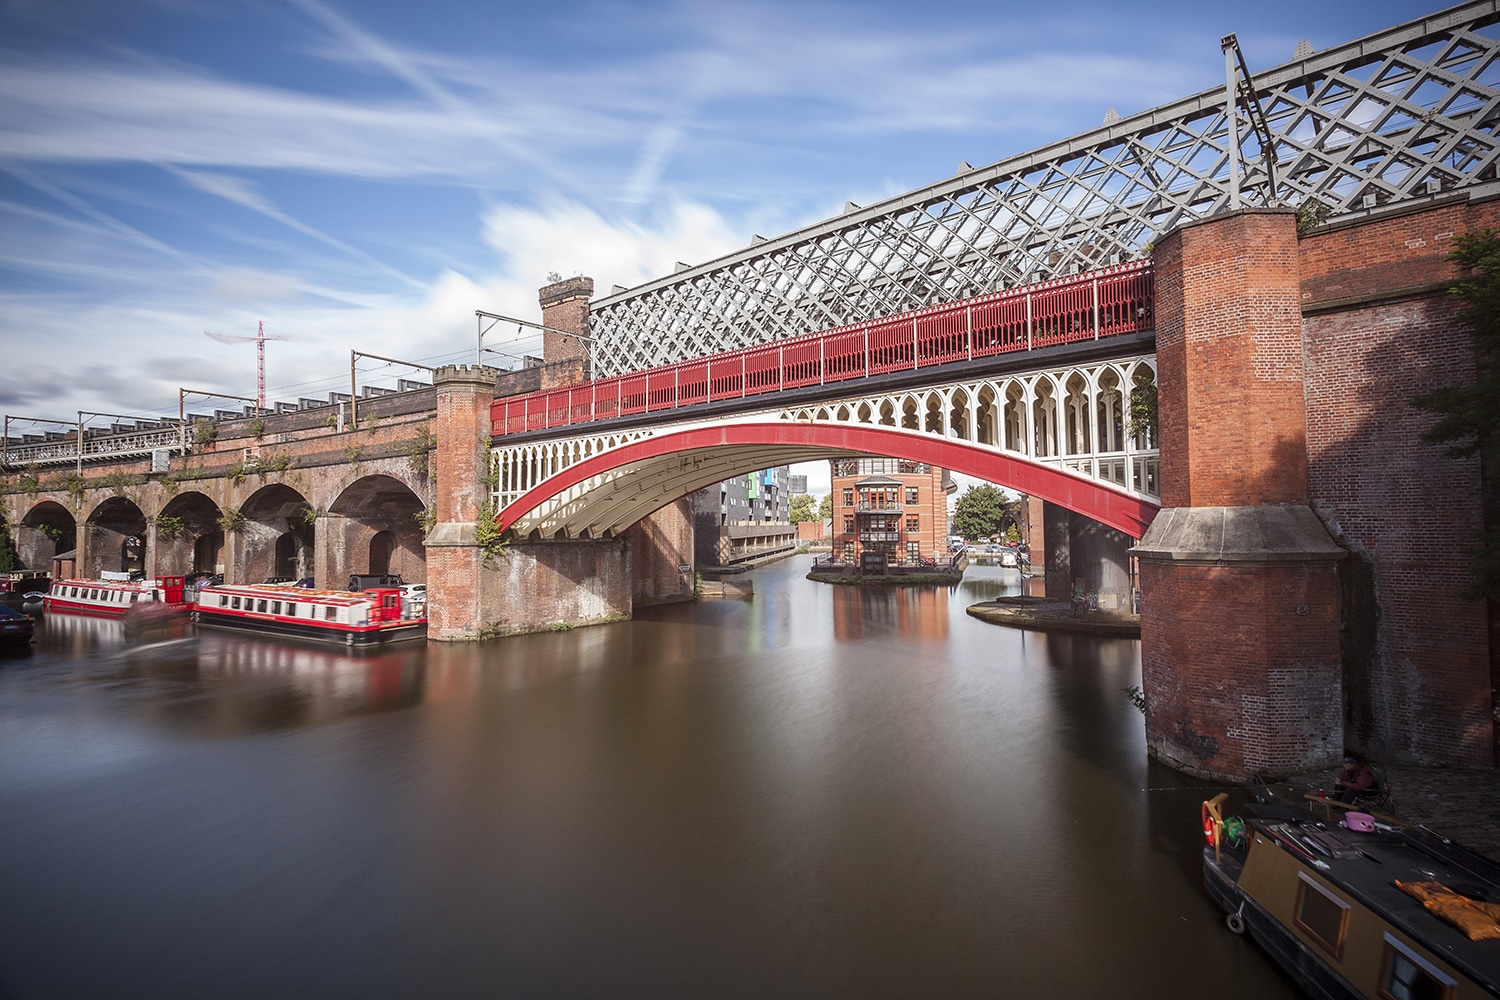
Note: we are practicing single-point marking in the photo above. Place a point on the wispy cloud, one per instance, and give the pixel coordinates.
(242, 192)
(414, 176)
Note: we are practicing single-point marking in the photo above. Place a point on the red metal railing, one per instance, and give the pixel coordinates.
(1101, 303)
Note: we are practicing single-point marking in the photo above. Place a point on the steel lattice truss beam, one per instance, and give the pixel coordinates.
(1401, 114)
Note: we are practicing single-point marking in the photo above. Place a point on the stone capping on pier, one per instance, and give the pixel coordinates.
(1214, 536)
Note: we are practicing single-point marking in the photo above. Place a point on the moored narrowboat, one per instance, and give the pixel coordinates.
(22, 581)
(370, 617)
(1359, 907)
(112, 597)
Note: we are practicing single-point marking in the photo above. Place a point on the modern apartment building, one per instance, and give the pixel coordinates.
(744, 518)
(889, 508)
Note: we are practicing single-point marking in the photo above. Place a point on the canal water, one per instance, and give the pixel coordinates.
(822, 792)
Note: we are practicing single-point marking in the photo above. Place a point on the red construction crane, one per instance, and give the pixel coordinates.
(260, 339)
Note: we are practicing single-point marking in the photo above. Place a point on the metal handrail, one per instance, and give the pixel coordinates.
(1105, 303)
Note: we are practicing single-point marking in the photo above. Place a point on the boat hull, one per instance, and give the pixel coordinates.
(332, 633)
(1295, 958)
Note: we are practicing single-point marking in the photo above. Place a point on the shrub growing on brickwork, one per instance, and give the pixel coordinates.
(1468, 418)
(8, 558)
(487, 532)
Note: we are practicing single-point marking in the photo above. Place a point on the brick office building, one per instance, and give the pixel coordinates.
(889, 506)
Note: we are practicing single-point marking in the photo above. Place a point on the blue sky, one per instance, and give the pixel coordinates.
(364, 176)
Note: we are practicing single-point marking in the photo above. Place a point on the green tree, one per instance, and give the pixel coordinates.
(803, 508)
(1468, 419)
(8, 558)
(979, 511)
(825, 507)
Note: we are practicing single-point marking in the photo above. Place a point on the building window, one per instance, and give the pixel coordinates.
(913, 552)
(848, 498)
(849, 551)
(911, 494)
(848, 524)
(911, 525)
(1405, 975)
(1321, 914)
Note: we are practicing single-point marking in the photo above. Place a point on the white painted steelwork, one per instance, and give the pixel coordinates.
(1402, 114)
(1072, 419)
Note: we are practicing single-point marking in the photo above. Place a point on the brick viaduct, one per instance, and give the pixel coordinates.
(1301, 588)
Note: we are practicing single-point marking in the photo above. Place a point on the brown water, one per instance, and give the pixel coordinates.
(825, 792)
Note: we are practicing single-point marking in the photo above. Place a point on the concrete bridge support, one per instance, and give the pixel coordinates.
(1081, 556)
(1240, 621)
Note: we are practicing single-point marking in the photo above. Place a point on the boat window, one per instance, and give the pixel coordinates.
(261, 607)
(329, 612)
(234, 603)
(1405, 975)
(223, 601)
(75, 592)
(134, 598)
(291, 608)
(275, 607)
(1322, 914)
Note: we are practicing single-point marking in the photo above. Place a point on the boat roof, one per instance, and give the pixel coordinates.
(287, 591)
(1368, 865)
(128, 584)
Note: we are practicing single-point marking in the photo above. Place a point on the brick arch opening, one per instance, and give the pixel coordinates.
(116, 539)
(189, 538)
(374, 526)
(276, 539)
(47, 531)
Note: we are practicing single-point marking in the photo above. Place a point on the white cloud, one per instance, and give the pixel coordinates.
(571, 238)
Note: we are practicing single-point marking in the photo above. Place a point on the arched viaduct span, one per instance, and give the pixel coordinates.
(282, 496)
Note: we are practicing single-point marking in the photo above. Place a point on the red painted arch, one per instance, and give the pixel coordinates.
(1115, 508)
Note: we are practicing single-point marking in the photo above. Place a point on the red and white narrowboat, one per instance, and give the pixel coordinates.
(113, 598)
(370, 617)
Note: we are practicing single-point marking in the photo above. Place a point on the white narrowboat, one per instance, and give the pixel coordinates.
(370, 617)
(112, 597)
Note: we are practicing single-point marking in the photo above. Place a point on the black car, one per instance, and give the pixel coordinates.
(15, 628)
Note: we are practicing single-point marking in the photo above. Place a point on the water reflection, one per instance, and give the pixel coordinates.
(914, 611)
(823, 792)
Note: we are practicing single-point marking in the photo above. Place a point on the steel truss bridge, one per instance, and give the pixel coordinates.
(1401, 114)
(1029, 388)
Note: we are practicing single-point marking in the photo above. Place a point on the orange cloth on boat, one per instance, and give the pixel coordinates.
(1478, 920)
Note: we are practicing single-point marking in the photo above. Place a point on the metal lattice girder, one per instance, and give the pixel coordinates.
(1399, 114)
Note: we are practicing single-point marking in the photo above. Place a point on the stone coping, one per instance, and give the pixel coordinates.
(1213, 536)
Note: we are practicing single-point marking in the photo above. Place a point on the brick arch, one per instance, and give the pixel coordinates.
(618, 487)
(200, 544)
(375, 520)
(116, 539)
(47, 529)
(276, 538)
